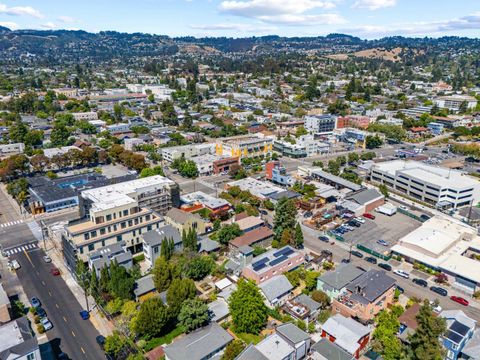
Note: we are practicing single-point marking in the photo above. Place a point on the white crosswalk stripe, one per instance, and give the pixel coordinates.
(21, 248)
(11, 223)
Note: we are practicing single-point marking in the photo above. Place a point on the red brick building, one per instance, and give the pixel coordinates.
(222, 165)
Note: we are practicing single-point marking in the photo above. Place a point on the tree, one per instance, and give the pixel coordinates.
(162, 274)
(228, 233)
(285, 217)
(298, 236)
(151, 319)
(193, 314)
(83, 278)
(385, 340)
(115, 343)
(156, 170)
(373, 142)
(425, 343)
(18, 131)
(179, 291)
(188, 169)
(59, 135)
(353, 157)
(333, 167)
(384, 190)
(249, 312)
(300, 131)
(120, 283)
(199, 267)
(321, 298)
(233, 349)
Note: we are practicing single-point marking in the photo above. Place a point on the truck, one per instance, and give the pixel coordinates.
(387, 209)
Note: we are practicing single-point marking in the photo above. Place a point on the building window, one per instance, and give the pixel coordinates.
(123, 225)
(91, 247)
(86, 236)
(125, 212)
(130, 223)
(31, 356)
(147, 217)
(119, 238)
(149, 227)
(81, 250)
(102, 231)
(155, 249)
(93, 233)
(109, 217)
(136, 221)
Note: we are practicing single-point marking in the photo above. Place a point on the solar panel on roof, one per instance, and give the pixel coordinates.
(261, 261)
(457, 339)
(259, 267)
(285, 251)
(288, 251)
(459, 328)
(278, 260)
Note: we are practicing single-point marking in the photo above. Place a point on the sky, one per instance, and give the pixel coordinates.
(243, 18)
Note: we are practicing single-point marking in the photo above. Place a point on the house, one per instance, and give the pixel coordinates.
(366, 296)
(295, 337)
(276, 290)
(334, 282)
(261, 236)
(204, 343)
(219, 310)
(184, 221)
(408, 321)
(152, 242)
(144, 287)
(471, 350)
(274, 347)
(302, 307)
(104, 256)
(17, 341)
(347, 333)
(250, 223)
(207, 245)
(251, 353)
(5, 307)
(460, 329)
(325, 350)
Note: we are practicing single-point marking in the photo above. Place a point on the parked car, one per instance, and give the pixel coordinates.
(371, 260)
(345, 261)
(307, 214)
(420, 282)
(35, 302)
(401, 273)
(357, 253)
(47, 259)
(47, 325)
(384, 266)
(353, 223)
(84, 314)
(369, 216)
(436, 308)
(399, 288)
(54, 271)
(383, 242)
(324, 238)
(424, 217)
(360, 220)
(439, 290)
(40, 312)
(264, 212)
(100, 341)
(13, 265)
(403, 207)
(460, 300)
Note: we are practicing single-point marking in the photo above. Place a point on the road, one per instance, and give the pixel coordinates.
(70, 334)
(411, 290)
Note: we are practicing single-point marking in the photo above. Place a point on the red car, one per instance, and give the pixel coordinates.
(369, 216)
(459, 300)
(54, 271)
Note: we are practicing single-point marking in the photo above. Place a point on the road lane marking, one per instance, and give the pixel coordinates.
(49, 293)
(38, 273)
(56, 305)
(43, 283)
(28, 257)
(64, 319)
(83, 351)
(73, 333)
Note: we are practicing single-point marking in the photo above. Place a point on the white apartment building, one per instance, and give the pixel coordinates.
(88, 115)
(12, 148)
(454, 102)
(320, 123)
(187, 151)
(119, 212)
(437, 186)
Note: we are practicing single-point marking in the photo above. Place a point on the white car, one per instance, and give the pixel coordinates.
(47, 325)
(402, 273)
(403, 207)
(47, 259)
(360, 220)
(13, 265)
(436, 308)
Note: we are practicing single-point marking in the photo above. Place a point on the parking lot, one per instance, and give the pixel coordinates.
(388, 228)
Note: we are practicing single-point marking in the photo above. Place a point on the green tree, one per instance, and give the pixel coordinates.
(385, 340)
(151, 319)
(353, 157)
(425, 343)
(162, 274)
(384, 190)
(228, 233)
(120, 283)
(301, 131)
(333, 167)
(193, 314)
(188, 169)
(115, 343)
(249, 313)
(199, 267)
(298, 236)
(285, 217)
(156, 170)
(373, 142)
(320, 297)
(179, 291)
(59, 135)
(233, 349)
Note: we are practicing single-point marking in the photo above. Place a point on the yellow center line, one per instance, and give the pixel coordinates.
(28, 257)
(73, 333)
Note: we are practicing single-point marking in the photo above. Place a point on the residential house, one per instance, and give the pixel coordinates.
(460, 329)
(408, 321)
(295, 337)
(347, 333)
(184, 221)
(333, 283)
(274, 347)
(144, 287)
(117, 252)
(219, 310)
(261, 236)
(276, 290)
(302, 307)
(366, 296)
(325, 350)
(250, 223)
(471, 350)
(204, 343)
(17, 341)
(152, 242)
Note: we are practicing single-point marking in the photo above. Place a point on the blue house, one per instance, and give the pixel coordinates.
(460, 329)
(435, 128)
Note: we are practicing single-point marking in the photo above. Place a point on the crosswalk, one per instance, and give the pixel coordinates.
(11, 223)
(21, 248)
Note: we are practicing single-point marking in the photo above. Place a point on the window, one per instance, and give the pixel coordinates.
(155, 249)
(81, 250)
(102, 231)
(119, 238)
(136, 221)
(130, 223)
(31, 356)
(114, 227)
(109, 217)
(125, 212)
(149, 227)
(91, 247)
(147, 217)
(86, 236)
(123, 225)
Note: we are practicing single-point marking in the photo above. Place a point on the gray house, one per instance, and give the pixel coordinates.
(115, 252)
(276, 290)
(152, 242)
(332, 282)
(296, 337)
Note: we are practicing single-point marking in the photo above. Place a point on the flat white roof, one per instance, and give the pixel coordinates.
(10, 336)
(205, 199)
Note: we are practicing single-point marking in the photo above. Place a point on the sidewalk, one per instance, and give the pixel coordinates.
(103, 326)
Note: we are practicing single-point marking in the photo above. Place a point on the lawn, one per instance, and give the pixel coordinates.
(165, 339)
(250, 338)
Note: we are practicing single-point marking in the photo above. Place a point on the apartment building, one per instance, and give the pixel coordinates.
(437, 186)
(87, 115)
(16, 148)
(244, 146)
(454, 102)
(115, 213)
(187, 151)
(320, 123)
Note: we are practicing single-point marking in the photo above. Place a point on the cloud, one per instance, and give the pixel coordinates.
(49, 25)
(468, 22)
(9, 24)
(374, 4)
(66, 19)
(283, 12)
(250, 28)
(20, 10)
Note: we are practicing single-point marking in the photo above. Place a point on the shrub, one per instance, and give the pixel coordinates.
(40, 329)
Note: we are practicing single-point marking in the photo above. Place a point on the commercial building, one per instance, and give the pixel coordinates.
(198, 200)
(244, 146)
(17, 341)
(366, 296)
(454, 102)
(224, 164)
(366, 199)
(276, 173)
(259, 189)
(356, 121)
(87, 115)
(16, 148)
(304, 146)
(187, 151)
(437, 186)
(446, 245)
(320, 123)
(273, 262)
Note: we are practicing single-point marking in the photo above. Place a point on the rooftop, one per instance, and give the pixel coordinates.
(204, 199)
(181, 217)
(370, 285)
(252, 237)
(271, 258)
(16, 338)
(347, 332)
(341, 276)
(275, 287)
(156, 236)
(330, 350)
(275, 347)
(249, 222)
